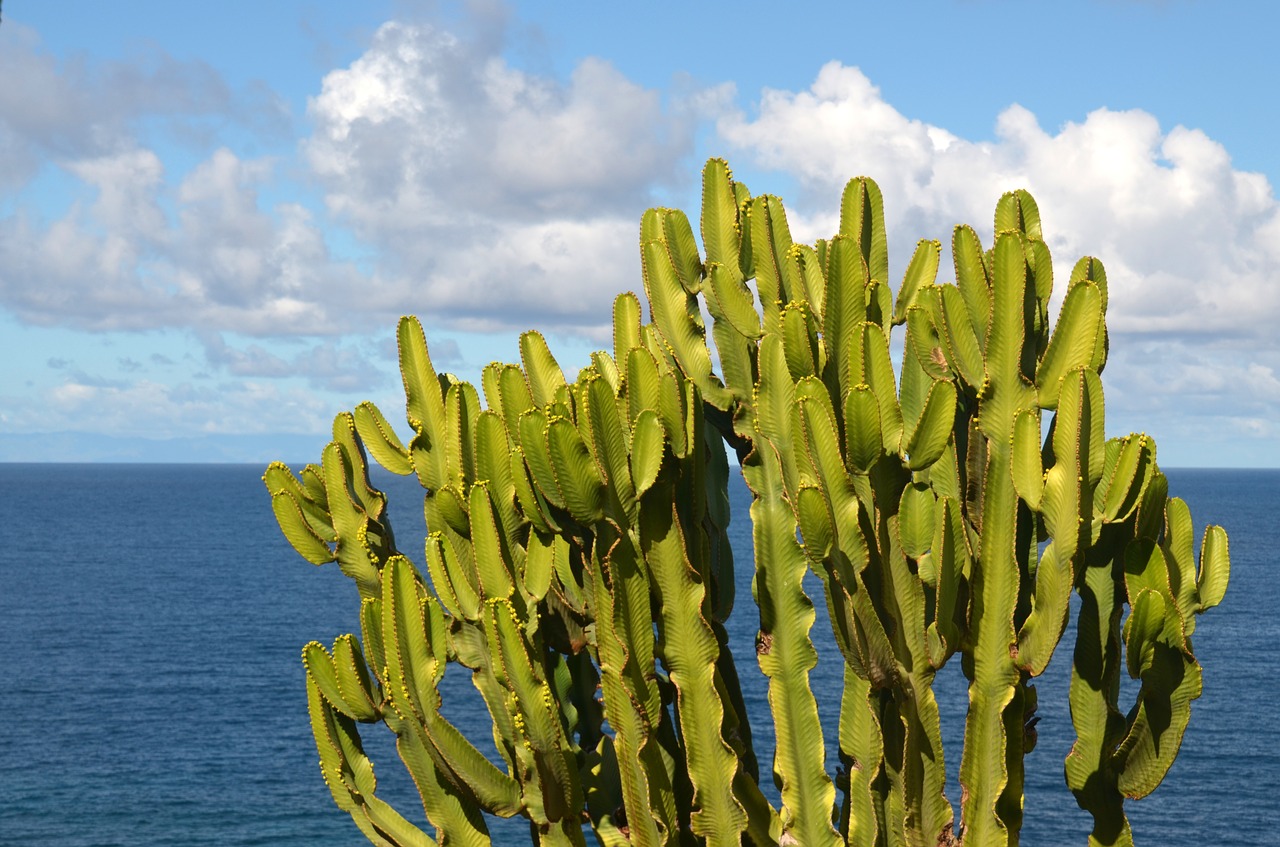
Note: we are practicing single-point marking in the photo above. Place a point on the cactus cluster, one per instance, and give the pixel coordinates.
(577, 561)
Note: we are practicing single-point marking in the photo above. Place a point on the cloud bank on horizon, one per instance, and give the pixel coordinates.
(433, 174)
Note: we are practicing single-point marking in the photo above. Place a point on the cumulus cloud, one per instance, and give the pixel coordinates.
(479, 195)
(1192, 246)
(221, 261)
(139, 247)
(155, 410)
(501, 198)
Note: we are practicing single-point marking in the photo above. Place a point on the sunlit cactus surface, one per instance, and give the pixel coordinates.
(577, 562)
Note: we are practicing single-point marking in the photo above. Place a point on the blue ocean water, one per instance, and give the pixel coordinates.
(151, 619)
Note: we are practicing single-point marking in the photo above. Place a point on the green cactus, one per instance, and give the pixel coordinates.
(577, 543)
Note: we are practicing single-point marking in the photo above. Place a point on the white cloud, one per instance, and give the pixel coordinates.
(66, 110)
(502, 199)
(327, 366)
(151, 409)
(1191, 245)
(479, 195)
(221, 261)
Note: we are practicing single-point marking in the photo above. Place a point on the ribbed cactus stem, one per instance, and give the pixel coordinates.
(577, 560)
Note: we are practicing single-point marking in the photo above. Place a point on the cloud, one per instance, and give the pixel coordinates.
(80, 108)
(479, 195)
(1191, 245)
(500, 198)
(327, 366)
(154, 410)
(142, 248)
(125, 262)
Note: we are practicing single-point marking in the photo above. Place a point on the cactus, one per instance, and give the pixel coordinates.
(577, 544)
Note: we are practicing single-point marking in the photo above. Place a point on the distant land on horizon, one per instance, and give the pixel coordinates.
(61, 447)
(295, 449)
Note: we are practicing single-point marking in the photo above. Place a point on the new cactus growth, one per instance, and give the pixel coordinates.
(577, 561)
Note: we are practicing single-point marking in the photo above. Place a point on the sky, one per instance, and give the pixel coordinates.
(212, 215)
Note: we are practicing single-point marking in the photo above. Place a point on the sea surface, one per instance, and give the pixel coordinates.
(151, 692)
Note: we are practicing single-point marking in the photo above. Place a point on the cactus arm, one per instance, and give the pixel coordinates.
(298, 530)
(308, 493)
(456, 816)
(542, 372)
(1067, 506)
(928, 436)
(735, 328)
(364, 496)
(678, 235)
(1090, 269)
(799, 341)
(673, 408)
(1073, 341)
(424, 404)
(990, 769)
(537, 456)
(1028, 464)
(861, 756)
(949, 558)
(961, 345)
(1125, 478)
(381, 439)
(862, 219)
(723, 588)
(456, 585)
(878, 373)
(353, 555)
(342, 680)
(644, 384)
(775, 397)
(1215, 568)
(925, 812)
(554, 778)
(689, 650)
(1157, 652)
(576, 473)
(973, 280)
(413, 637)
(672, 277)
(770, 240)
(721, 228)
(1017, 210)
(922, 271)
(516, 399)
(493, 466)
(647, 451)
(864, 444)
(624, 638)
(349, 774)
(609, 445)
(494, 569)
(1099, 725)
(845, 309)
(786, 655)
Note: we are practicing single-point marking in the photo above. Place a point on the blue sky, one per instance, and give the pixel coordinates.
(211, 215)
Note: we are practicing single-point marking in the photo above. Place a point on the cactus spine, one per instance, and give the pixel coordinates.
(577, 542)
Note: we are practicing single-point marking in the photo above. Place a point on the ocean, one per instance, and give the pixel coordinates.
(152, 616)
